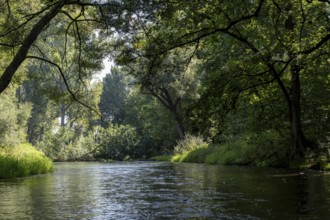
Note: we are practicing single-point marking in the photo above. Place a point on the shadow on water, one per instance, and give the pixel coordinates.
(147, 190)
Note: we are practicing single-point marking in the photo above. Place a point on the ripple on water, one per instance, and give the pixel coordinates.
(164, 191)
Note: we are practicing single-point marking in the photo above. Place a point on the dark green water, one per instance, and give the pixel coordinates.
(146, 190)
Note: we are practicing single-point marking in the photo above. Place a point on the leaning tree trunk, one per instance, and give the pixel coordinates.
(21, 54)
(165, 98)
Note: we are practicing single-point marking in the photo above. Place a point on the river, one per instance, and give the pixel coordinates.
(150, 190)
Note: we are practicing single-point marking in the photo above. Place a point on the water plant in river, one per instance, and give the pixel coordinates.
(23, 160)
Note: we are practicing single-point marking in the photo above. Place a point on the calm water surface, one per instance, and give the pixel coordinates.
(147, 190)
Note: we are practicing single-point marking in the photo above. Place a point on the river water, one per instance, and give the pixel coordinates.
(150, 190)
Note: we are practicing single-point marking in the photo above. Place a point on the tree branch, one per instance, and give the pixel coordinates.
(65, 81)
(201, 33)
(21, 54)
(316, 46)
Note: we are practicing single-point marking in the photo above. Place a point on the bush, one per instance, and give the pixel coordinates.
(264, 149)
(119, 142)
(189, 143)
(13, 119)
(68, 145)
(23, 160)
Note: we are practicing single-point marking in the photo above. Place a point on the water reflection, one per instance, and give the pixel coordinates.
(166, 191)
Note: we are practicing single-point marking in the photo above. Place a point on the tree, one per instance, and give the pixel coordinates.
(169, 79)
(113, 97)
(154, 124)
(276, 36)
(13, 119)
(36, 18)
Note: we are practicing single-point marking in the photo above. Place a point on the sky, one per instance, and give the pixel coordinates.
(107, 64)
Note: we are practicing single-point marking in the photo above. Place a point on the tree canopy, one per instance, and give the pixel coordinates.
(222, 70)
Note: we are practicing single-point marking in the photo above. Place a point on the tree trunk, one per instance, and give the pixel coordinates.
(63, 108)
(174, 107)
(167, 101)
(179, 125)
(300, 143)
(21, 54)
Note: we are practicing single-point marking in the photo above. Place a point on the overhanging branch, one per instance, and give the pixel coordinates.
(65, 81)
(21, 54)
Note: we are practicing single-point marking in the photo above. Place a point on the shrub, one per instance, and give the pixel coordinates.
(119, 142)
(198, 155)
(67, 144)
(264, 149)
(13, 120)
(189, 143)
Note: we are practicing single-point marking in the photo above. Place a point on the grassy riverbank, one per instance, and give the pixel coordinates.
(23, 160)
(241, 152)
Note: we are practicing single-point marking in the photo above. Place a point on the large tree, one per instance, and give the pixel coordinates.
(277, 40)
(23, 23)
(113, 97)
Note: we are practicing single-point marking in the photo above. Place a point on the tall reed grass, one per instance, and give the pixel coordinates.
(23, 160)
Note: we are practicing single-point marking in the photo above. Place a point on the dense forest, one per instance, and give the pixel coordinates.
(224, 82)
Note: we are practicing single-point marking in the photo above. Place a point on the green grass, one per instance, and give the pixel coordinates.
(241, 152)
(162, 158)
(267, 149)
(264, 150)
(23, 160)
(194, 156)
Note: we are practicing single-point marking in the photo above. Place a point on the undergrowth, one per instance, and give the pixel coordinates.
(266, 149)
(23, 160)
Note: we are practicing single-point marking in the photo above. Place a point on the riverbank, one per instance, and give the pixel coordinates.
(23, 160)
(236, 153)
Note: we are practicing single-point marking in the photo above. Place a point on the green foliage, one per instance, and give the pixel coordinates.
(190, 149)
(21, 161)
(259, 61)
(119, 142)
(317, 160)
(264, 149)
(67, 144)
(13, 119)
(197, 155)
(113, 97)
(189, 143)
(154, 124)
(236, 72)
